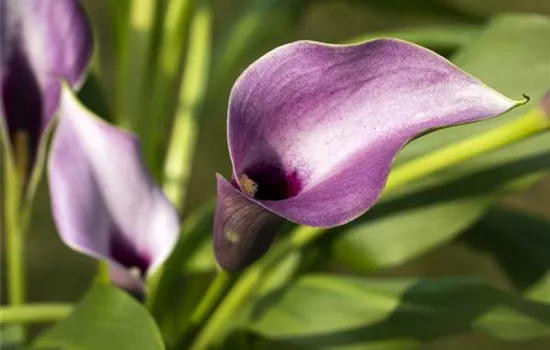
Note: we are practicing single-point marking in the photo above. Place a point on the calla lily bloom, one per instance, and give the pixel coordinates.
(104, 201)
(41, 42)
(313, 130)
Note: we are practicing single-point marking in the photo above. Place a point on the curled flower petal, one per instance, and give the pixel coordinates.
(238, 220)
(313, 128)
(104, 201)
(41, 41)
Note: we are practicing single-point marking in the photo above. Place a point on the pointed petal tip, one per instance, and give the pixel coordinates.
(105, 203)
(243, 229)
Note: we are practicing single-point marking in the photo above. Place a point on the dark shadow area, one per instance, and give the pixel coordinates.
(520, 243)
(23, 107)
(92, 95)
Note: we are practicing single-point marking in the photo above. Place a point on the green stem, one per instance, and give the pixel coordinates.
(215, 294)
(161, 285)
(13, 226)
(242, 290)
(532, 122)
(103, 275)
(34, 313)
(171, 48)
(181, 149)
(142, 25)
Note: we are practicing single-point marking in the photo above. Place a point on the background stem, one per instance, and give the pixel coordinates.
(177, 167)
(34, 313)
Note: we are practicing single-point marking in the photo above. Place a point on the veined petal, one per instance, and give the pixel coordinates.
(104, 201)
(41, 41)
(243, 229)
(314, 127)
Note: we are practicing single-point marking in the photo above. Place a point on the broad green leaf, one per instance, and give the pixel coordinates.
(397, 236)
(520, 243)
(510, 56)
(359, 313)
(107, 318)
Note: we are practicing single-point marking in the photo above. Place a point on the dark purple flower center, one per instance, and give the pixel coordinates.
(270, 182)
(124, 254)
(22, 108)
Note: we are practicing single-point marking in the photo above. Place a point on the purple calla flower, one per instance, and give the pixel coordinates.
(104, 201)
(313, 130)
(41, 41)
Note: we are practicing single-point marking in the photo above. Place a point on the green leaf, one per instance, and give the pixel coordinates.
(395, 237)
(107, 318)
(332, 312)
(510, 57)
(520, 243)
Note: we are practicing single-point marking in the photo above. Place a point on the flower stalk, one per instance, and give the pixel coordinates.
(12, 190)
(171, 48)
(181, 149)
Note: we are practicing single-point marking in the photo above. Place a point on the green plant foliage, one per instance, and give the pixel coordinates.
(324, 311)
(422, 217)
(520, 243)
(107, 318)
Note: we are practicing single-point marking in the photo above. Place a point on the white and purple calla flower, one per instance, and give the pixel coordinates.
(314, 128)
(105, 203)
(41, 42)
(104, 200)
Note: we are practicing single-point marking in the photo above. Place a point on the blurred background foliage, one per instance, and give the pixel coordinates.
(489, 217)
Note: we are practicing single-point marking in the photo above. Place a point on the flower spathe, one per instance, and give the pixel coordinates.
(104, 201)
(314, 128)
(41, 41)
